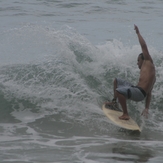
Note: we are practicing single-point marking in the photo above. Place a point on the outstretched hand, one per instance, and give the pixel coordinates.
(136, 29)
(145, 113)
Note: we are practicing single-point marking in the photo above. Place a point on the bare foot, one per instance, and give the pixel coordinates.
(124, 117)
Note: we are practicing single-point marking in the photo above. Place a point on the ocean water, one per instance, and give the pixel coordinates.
(58, 60)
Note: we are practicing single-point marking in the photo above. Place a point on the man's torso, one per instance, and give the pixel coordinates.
(147, 76)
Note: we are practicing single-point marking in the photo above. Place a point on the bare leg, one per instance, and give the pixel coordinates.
(122, 101)
(114, 90)
(115, 86)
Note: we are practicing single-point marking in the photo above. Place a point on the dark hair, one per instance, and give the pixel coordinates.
(141, 55)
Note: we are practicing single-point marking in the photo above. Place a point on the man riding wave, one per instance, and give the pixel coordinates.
(124, 90)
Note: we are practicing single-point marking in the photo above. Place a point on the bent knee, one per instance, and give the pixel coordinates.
(115, 81)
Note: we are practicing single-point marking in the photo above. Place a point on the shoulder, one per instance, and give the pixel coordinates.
(147, 57)
(148, 63)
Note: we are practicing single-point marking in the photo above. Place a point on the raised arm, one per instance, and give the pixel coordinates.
(143, 45)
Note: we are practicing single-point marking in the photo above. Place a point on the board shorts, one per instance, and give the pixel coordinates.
(131, 92)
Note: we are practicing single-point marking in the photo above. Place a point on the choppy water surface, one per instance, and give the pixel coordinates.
(58, 62)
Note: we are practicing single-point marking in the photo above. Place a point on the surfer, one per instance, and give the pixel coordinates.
(124, 90)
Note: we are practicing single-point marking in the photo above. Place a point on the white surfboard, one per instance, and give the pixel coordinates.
(114, 115)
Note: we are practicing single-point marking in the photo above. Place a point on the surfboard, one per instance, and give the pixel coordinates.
(114, 113)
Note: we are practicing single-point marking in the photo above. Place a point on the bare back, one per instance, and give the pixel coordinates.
(147, 76)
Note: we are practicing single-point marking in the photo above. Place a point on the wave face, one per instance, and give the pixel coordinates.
(53, 99)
